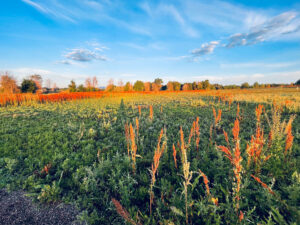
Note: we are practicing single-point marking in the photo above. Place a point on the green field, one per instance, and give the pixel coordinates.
(77, 152)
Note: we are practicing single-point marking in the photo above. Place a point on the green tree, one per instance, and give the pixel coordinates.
(206, 84)
(256, 85)
(72, 86)
(139, 86)
(298, 82)
(245, 85)
(81, 88)
(28, 86)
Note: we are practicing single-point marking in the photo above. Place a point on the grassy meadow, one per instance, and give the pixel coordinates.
(194, 157)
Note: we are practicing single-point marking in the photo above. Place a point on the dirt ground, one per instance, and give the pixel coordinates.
(16, 208)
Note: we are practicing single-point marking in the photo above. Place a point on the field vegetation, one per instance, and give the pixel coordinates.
(189, 157)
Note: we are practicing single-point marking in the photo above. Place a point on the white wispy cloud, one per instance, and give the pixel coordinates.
(84, 55)
(274, 27)
(205, 49)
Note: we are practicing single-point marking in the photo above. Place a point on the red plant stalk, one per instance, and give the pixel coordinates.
(137, 126)
(263, 184)
(157, 154)
(174, 156)
(151, 112)
(238, 111)
(205, 179)
(289, 140)
(133, 147)
(236, 159)
(122, 212)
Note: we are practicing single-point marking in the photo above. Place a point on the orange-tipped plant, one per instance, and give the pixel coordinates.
(140, 110)
(289, 138)
(151, 112)
(157, 155)
(205, 179)
(217, 117)
(133, 147)
(236, 159)
(123, 212)
(137, 126)
(174, 156)
(263, 184)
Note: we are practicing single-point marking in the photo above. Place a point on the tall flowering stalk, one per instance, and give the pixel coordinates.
(195, 132)
(254, 150)
(205, 179)
(137, 126)
(187, 174)
(140, 110)
(174, 156)
(289, 137)
(235, 159)
(263, 184)
(217, 117)
(151, 112)
(123, 212)
(238, 111)
(133, 148)
(157, 155)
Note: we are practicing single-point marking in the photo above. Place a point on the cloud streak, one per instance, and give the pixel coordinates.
(84, 55)
(275, 27)
(205, 49)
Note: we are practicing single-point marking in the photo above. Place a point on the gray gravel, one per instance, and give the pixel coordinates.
(16, 208)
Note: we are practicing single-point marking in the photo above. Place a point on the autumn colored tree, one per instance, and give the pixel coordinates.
(170, 86)
(95, 83)
(147, 86)
(8, 84)
(37, 79)
(128, 86)
(110, 86)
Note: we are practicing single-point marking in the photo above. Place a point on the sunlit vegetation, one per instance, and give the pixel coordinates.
(186, 157)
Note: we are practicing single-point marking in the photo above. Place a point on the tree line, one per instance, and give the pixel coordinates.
(33, 84)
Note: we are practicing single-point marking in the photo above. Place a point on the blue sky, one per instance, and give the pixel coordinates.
(186, 40)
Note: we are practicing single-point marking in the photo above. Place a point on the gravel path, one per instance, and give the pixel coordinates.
(16, 208)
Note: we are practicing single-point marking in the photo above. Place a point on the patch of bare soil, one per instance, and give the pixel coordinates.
(16, 208)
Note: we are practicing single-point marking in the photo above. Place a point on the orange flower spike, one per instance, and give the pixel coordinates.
(238, 111)
(289, 141)
(258, 111)
(182, 139)
(140, 110)
(241, 216)
(205, 179)
(227, 152)
(214, 113)
(263, 184)
(137, 126)
(174, 156)
(226, 137)
(236, 129)
(151, 112)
